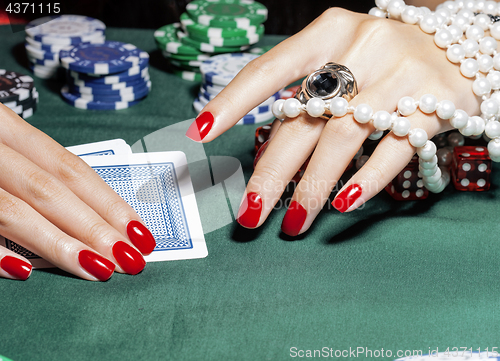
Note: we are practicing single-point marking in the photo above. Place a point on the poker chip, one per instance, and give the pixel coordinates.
(126, 97)
(192, 27)
(129, 75)
(109, 92)
(188, 75)
(212, 89)
(221, 69)
(65, 29)
(208, 48)
(227, 13)
(199, 57)
(17, 92)
(167, 39)
(102, 59)
(120, 85)
(290, 92)
(80, 103)
(40, 54)
(229, 41)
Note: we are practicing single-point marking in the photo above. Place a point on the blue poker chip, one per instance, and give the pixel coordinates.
(116, 86)
(109, 92)
(115, 98)
(134, 73)
(102, 59)
(44, 47)
(221, 69)
(47, 63)
(65, 29)
(80, 103)
(40, 54)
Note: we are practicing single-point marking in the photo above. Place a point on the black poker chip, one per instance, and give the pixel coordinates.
(14, 86)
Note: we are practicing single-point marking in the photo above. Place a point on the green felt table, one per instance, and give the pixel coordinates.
(394, 276)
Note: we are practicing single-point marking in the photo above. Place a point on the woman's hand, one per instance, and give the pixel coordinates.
(389, 60)
(55, 205)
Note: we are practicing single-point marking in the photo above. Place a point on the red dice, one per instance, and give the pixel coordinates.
(471, 168)
(261, 136)
(408, 186)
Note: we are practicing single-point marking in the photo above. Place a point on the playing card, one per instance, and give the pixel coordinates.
(107, 147)
(158, 186)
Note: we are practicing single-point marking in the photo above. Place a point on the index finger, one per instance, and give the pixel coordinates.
(287, 62)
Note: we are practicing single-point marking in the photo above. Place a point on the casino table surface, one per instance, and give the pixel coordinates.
(393, 276)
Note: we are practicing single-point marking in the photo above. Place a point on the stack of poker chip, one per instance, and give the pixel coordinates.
(210, 27)
(107, 76)
(17, 92)
(47, 36)
(217, 72)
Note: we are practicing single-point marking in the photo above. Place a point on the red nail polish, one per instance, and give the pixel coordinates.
(200, 127)
(294, 219)
(141, 237)
(250, 210)
(346, 198)
(260, 153)
(128, 258)
(16, 267)
(95, 264)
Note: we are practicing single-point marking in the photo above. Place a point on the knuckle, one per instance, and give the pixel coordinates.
(12, 209)
(42, 186)
(94, 233)
(311, 184)
(346, 128)
(70, 167)
(333, 14)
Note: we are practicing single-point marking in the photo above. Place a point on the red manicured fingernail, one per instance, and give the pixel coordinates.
(346, 198)
(260, 153)
(294, 219)
(249, 213)
(95, 264)
(16, 267)
(128, 258)
(200, 127)
(141, 237)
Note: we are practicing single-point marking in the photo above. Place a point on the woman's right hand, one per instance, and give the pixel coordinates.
(53, 204)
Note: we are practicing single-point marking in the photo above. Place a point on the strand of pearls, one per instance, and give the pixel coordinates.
(435, 179)
(460, 27)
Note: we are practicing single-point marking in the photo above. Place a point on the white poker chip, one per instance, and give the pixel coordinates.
(65, 29)
(221, 69)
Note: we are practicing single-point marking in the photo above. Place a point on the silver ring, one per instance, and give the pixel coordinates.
(331, 81)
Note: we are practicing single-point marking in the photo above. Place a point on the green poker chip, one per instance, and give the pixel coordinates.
(194, 28)
(201, 57)
(227, 13)
(167, 39)
(236, 41)
(192, 65)
(209, 48)
(188, 75)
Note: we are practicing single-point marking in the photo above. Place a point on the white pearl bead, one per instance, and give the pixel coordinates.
(428, 164)
(443, 13)
(489, 107)
(376, 135)
(496, 61)
(483, 21)
(363, 113)
(291, 108)
(471, 48)
(428, 103)
(401, 126)
(494, 79)
(456, 139)
(427, 172)
(495, 31)
(278, 109)
(379, 13)
(443, 38)
(459, 119)
(461, 22)
(456, 33)
(466, 13)
(418, 137)
(410, 15)
(315, 107)
(433, 178)
(451, 6)
(428, 23)
(490, 7)
(469, 68)
(488, 45)
(479, 126)
(470, 5)
(492, 129)
(474, 32)
(437, 187)
(395, 7)
(428, 151)
(455, 53)
(494, 148)
(338, 107)
(407, 106)
(445, 109)
(470, 128)
(495, 95)
(382, 120)
(481, 86)
(485, 63)
(382, 4)
(480, 5)
(425, 10)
